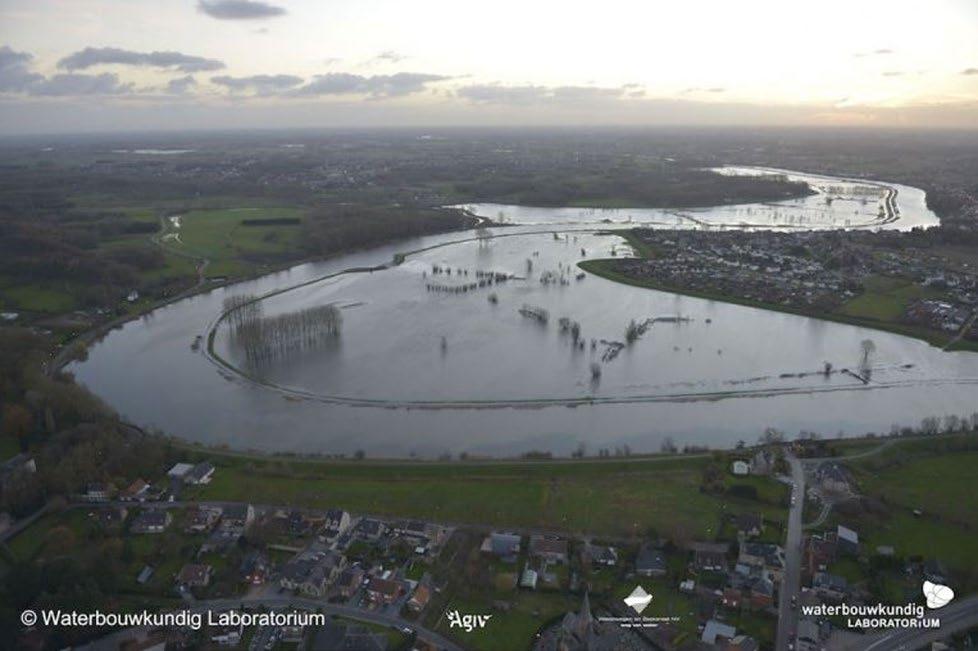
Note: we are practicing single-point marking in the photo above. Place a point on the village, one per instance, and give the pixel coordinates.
(718, 593)
(840, 273)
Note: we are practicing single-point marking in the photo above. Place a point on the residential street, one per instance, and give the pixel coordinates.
(955, 617)
(791, 584)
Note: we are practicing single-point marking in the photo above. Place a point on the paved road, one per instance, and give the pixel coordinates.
(287, 602)
(791, 582)
(955, 618)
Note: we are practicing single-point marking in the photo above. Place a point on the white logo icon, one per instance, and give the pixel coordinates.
(468, 622)
(639, 600)
(937, 595)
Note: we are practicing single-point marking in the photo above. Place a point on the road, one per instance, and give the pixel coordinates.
(791, 582)
(284, 603)
(955, 618)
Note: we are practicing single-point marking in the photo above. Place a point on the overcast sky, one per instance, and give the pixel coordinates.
(88, 65)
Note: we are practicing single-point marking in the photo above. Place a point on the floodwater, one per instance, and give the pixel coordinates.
(422, 367)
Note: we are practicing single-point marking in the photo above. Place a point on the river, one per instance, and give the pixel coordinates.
(423, 368)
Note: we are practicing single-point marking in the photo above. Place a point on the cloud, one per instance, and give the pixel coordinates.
(529, 94)
(14, 74)
(585, 93)
(390, 56)
(880, 52)
(970, 71)
(94, 56)
(239, 9)
(377, 86)
(893, 73)
(497, 94)
(259, 84)
(697, 89)
(181, 85)
(106, 83)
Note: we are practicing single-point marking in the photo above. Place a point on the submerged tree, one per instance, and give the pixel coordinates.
(265, 339)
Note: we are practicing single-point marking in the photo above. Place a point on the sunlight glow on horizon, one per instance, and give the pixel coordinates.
(505, 62)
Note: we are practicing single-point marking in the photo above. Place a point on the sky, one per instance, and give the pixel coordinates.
(116, 65)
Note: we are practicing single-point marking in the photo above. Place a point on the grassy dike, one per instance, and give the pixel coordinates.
(604, 269)
(621, 497)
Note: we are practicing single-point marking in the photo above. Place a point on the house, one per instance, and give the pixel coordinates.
(413, 530)
(153, 521)
(135, 492)
(255, 568)
(732, 598)
(762, 593)
(529, 578)
(749, 525)
(22, 462)
(111, 516)
(740, 468)
(420, 598)
(768, 556)
(600, 555)
(98, 492)
(179, 470)
(830, 586)
(337, 521)
(384, 591)
(847, 541)
(549, 548)
(718, 633)
(227, 635)
(203, 519)
(350, 581)
(762, 463)
(298, 525)
(710, 556)
(833, 478)
(371, 530)
(316, 581)
(504, 546)
(200, 473)
(194, 575)
(650, 561)
(295, 572)
(819, 552)
(238, 517)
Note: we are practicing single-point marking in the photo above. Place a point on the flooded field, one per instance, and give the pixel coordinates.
(494, 342)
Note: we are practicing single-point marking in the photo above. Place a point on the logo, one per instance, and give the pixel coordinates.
(937, 595)
(639, 600)
(468, 622)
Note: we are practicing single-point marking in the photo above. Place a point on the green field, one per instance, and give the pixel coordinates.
(885, 298)
(234, 248)
(615, 497)
(904, 480)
